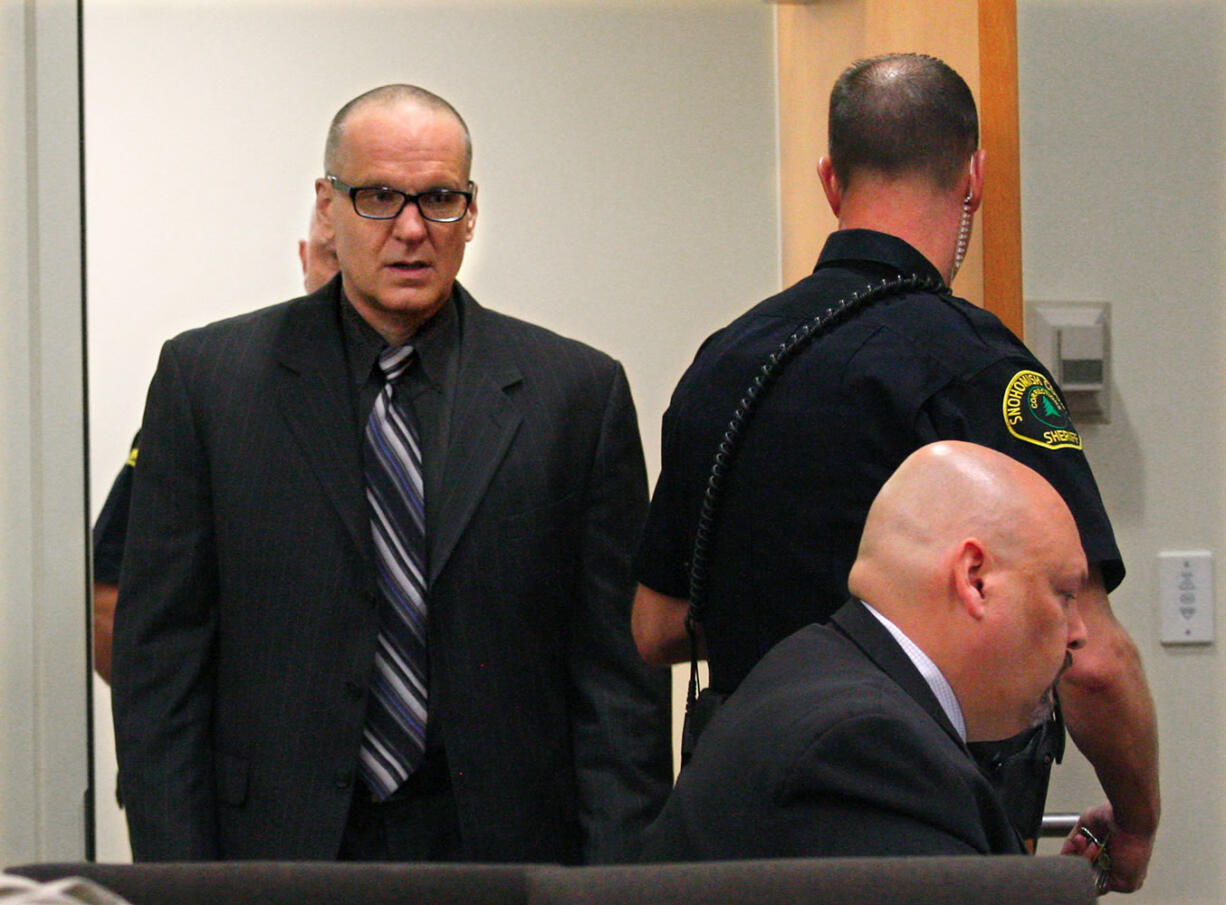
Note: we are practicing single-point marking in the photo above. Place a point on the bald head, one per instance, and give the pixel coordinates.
(944, 493)
(317, 252)
(978, 560)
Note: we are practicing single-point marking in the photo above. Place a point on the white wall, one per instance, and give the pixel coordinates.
(44, 769)
(1122, 154)
(625, 153)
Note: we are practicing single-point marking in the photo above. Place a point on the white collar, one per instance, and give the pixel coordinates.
(932, 675)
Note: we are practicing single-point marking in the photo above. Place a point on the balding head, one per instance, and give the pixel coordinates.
(902, 114)
(389, 96)
(977, 559)
(317, 252)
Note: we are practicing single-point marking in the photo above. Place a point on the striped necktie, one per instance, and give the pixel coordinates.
(395, 734)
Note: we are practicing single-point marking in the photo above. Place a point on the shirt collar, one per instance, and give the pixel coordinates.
(877, 250)
(932, 675)
(431, 343)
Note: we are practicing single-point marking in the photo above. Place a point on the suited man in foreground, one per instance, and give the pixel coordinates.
(850, 738)
(375, 601)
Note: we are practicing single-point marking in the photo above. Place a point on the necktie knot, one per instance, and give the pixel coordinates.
(394, 361)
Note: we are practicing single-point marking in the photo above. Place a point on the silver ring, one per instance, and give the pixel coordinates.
(1089, 836)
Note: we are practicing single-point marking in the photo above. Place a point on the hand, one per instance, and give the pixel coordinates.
(1129, 853)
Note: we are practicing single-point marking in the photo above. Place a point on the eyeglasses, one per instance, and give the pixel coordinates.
(378, 202)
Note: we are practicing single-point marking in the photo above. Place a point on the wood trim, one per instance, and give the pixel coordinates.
(1001, 217)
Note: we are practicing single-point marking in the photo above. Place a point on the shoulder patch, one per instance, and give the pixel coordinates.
(1034, 412)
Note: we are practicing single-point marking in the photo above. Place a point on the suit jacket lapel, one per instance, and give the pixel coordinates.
(313, 395)
(483, 422)
(859, 625)
(863, 629)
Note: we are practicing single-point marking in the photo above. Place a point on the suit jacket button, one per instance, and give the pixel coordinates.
(344, 779)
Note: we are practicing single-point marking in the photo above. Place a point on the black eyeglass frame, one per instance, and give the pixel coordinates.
(352, 192)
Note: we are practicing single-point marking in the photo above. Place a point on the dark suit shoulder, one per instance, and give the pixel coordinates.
(817, 679)
(237, 354)
(822, 753)
(262, 322)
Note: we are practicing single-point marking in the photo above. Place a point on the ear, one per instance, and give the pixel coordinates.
(302, 253)
(470, 219)
(323, 203)
(969, 568)
(830, 184)
(975, 179)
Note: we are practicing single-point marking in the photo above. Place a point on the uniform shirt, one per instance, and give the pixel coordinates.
(111, 529)
(902, 372)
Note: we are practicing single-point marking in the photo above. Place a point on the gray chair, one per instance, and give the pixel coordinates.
(974, 880)
(298, 883)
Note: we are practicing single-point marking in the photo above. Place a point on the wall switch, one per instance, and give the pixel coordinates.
(1185, 583)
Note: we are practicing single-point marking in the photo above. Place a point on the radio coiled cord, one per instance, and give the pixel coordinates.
(730, 444)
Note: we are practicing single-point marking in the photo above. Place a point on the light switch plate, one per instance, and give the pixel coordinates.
(1185, 589)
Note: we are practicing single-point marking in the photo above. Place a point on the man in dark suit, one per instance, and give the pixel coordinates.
(851, 738)
(311, 660)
